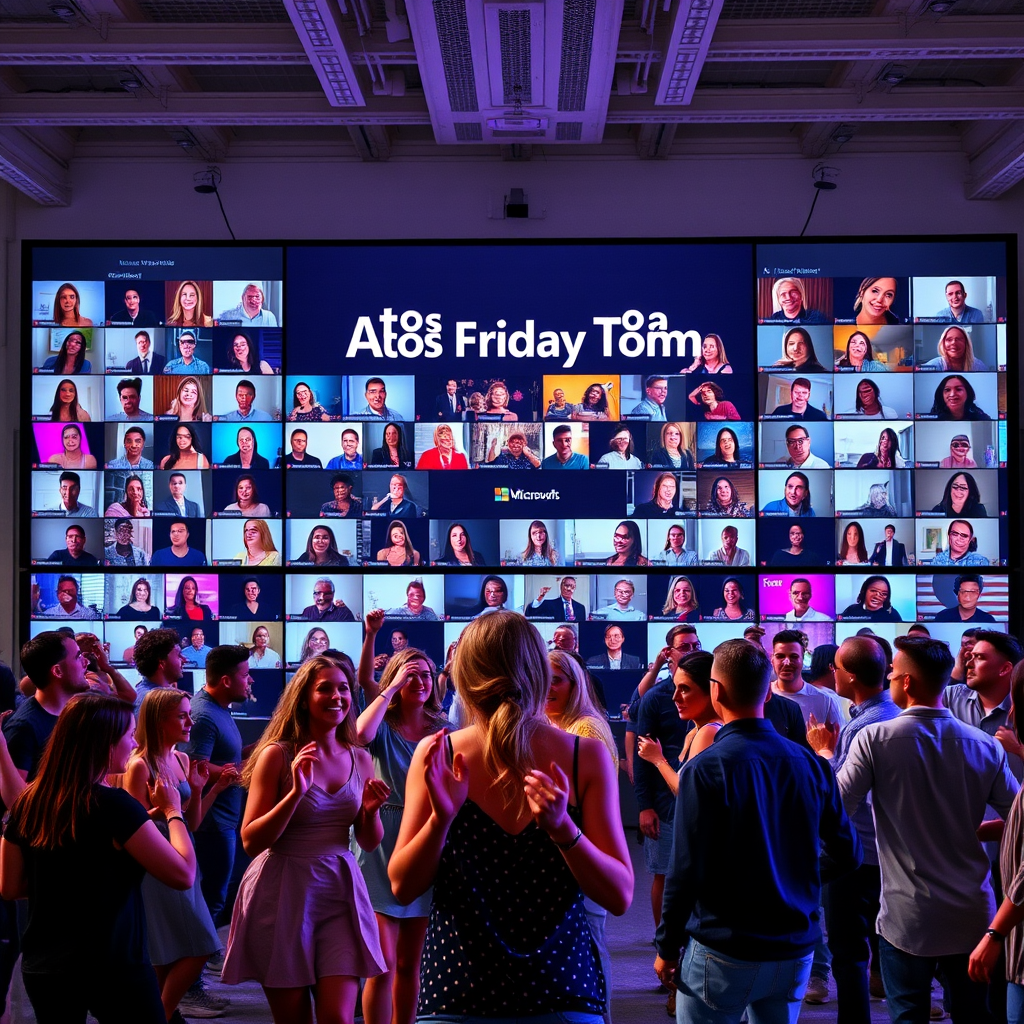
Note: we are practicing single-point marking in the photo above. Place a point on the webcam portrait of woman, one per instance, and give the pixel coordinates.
(875, 296)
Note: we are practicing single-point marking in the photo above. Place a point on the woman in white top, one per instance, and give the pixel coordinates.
(260, 654)
(620, 455)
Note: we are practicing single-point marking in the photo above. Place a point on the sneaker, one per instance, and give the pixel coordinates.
(215, 964)
(202, 1004)
(817, 991)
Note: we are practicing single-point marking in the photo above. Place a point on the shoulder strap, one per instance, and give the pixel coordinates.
(576, 770)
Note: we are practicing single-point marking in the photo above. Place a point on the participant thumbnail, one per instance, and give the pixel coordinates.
(652, 494)
(540, 543)
(191, 597)
(876, 598)
(783, 543)
(873, 349)
(324, 597)
(875, 541)
(860, 445)
(964, 300)
(795, 493)
(464, 542)
(397, 542)
(794, 300)
(252, 597)
(467, 596)
(611, 542)
(956, 348)
(316, 543)
(797, 599)
(795, 396)
(568, 396)
(247, 542)
(67, 595)
(803, 445)
(875, 493)
(554, 598)
(67, 351)
(68, 399)
(958, 397)
(969, 598)
(872, 300)
(876, 396)
(729, 447)
(799, 350)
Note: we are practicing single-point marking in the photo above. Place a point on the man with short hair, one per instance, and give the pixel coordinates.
(324, 608)
(798, 407)
(351, 457)
(787, 660)
(564, 639)
(133, 315)
(558, 609)
(376, 403)
(158, 659)
(134, 443)
(70, 487)
(956, 310)
(889, 551)
(652, 405)
(129, 391)
(123, 551)
(179, 553)
(798, 446)
(516, 454)
(621, 609)
(250, 311)
(968, 588)
(298, 457)
(194, 654)
(450, 405)
(67, 606)
(564, 457)
(74, 552)
(729, 554)
(245, 411)
(187, 362)
(748, 931)
(176, 504)
(800, 599)
(930, 777)
(147, 361)
(614, 658)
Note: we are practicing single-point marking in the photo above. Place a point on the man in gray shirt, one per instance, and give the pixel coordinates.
(930, 778)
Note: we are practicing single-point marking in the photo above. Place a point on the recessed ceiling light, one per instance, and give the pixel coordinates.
(131, 84)
(65, 11)
(941, 6)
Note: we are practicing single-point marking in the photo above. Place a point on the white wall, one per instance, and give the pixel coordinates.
(879, 195)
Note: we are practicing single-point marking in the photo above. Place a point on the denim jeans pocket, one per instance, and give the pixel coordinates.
(728, 983)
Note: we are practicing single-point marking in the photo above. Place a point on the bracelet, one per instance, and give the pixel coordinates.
(997, 936)
(572, 842)
(176, 817)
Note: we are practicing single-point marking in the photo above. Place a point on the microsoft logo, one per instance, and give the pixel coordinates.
(501, 494)
(518, 494)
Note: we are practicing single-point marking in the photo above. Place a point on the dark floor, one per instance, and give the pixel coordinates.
(635, 995)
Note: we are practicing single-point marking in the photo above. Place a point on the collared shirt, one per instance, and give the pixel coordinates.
(811, 462)
(123, 417)
(759, 797)
(740, 556)
(970, 315)
(80, 510)
(683, 558)
(509, 461)
(179, 366)
(344, 462)
(965, 705)
(255, 416)
(238, 315)
(648, 407)
(613, 611)
(384, 414)
(123, 463)
(971, 558)
(930, 777)
(657, 716)
(811, 615)
(78, 612)
(191, 656)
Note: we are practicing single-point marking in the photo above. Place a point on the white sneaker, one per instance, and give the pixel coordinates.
(202, 1004)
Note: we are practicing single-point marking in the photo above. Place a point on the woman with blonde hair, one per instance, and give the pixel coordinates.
(259, 544)
(956, 353)
(187, 309)
(557, 831)
(671, 452)
(182, 936)
(189, 402)
(681, 600)
(404, 709)
(302, 925)
(712, 358)
(443, 455)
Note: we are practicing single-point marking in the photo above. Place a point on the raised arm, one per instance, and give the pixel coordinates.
(373, 621)
(369, 722)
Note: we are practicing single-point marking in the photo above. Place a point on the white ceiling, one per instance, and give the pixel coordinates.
(513, 79)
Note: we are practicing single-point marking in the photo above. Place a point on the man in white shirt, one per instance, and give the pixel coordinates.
(800, 598)
(798, 444)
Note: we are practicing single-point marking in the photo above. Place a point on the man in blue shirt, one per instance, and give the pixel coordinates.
(744, 882)
(158, 659)
(564, 457)
(957, 311)
(187, 363)
(653, 404)
(179, 553)
(245, 395)
(194, 655)
(376, 401)
(134, 443)
(250, 311)
(350, 457)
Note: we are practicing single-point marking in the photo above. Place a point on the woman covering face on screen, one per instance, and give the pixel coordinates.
(860, 356)
(955, 352)
(852, 549)
(186, 452)
(798, 352)
(594, 405)
(886, 454)
(189, 403)
(71, 455)
(539, 550)
(671, 453)
(65, 408)
(959, 456)
(71, 357)
(874, 297)
(681, 600)
(628, 545)
(458, 548)
(955, 399)
(259, 545)
(725, 500)
(711, 404)
(67, 307)
(187, 309)
(399, 550)
(961, 497)
(712, 358)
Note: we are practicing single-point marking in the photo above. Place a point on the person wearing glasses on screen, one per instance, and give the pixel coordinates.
(260, 654)
(889, 551)
(247, 455)
(186, 451)
(558, 609)
(956, 309)
(652, 405)
(247, 498)
(189, 403)
(675, 551)
(179, 553)
(729, 554)
(955, 399)
(70, 487)
(376, 394)
(140, 606)
(443, 455)
(727, 451)
(956, 353)
(789, 303)
(187, 361)
(71, 455)
(67, 606)
(65, 407)
(670, 453)
(343, 505)
(798, 407)
(712, 358)
(392, 451)
(968, 589)
(734, 607)
(250, 310)
(663, 500)
(874, 603)
(796, 500)
(622, 608)
(73, 552)
(298, 457)
(798, 353)
(795, 554)
(558, 407)
(123, 551)
(868, 404)
(959, 454)
(798, 445)
(313, 645)
(71, 357)
(709, 398)
(321, 549)
(324, 607)
(258, 545)
(961, 497)
(724, 500)
(962, 547)
(886, 454)
(458, 548)
(414, 607)
(859, 356)
(306, 409)
(134, 443)
(493, 595)
(620, 454)
(516, 454)
(395, 503)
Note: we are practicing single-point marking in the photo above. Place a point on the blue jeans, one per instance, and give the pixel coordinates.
(1014, 1003)
(215, 852)
(908, 986)
(716, 989)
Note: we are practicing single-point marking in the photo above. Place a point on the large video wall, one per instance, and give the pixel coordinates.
(258, 444)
